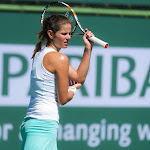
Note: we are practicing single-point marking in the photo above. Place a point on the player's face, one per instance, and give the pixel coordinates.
(61, 38)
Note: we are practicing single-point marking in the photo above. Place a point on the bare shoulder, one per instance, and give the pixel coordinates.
(56, 57)
(54, 61)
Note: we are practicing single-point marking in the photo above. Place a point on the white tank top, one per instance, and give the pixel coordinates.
(43, 101)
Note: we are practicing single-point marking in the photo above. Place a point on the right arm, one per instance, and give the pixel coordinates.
(60, 64)
(62, 70)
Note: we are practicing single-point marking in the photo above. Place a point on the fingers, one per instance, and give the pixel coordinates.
(88, 33)
(87, 42)
(74, 84)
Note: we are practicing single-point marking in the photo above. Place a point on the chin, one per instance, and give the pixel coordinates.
(65, 46)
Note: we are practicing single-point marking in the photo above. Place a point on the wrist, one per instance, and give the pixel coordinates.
(88, 50)
(72, 89)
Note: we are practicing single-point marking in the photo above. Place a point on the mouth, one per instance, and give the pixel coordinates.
(66, 43)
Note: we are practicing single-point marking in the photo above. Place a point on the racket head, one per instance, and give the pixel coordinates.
(63, 9)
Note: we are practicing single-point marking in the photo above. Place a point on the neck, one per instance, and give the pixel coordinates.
(54, 47)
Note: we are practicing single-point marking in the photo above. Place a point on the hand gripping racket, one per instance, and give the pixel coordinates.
(65, 9)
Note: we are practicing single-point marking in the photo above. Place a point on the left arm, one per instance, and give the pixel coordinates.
(80, 74)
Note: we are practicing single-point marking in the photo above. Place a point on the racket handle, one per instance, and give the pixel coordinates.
(98, 41)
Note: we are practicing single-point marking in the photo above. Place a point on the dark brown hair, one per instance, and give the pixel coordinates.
(50, 23)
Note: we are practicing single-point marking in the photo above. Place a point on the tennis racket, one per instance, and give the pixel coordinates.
(65, 9)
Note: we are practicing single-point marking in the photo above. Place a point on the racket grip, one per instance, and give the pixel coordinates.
(98, 41)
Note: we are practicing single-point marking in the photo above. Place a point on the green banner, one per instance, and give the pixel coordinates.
(85, 128)
(117, 31)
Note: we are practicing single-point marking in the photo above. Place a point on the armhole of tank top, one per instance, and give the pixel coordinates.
(45, 70)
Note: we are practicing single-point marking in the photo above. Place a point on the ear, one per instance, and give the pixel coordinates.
(50, 34)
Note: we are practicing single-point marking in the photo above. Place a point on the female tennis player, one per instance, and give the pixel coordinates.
(49, 83)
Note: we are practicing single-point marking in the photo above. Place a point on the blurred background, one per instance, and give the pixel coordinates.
(111, 110)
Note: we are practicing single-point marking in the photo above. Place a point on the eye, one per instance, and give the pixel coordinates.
(64, 33)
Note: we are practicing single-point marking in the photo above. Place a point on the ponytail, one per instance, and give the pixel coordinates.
(38, 45)
(37, 48)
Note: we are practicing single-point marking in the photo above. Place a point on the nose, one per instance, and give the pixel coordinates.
(68, 36)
